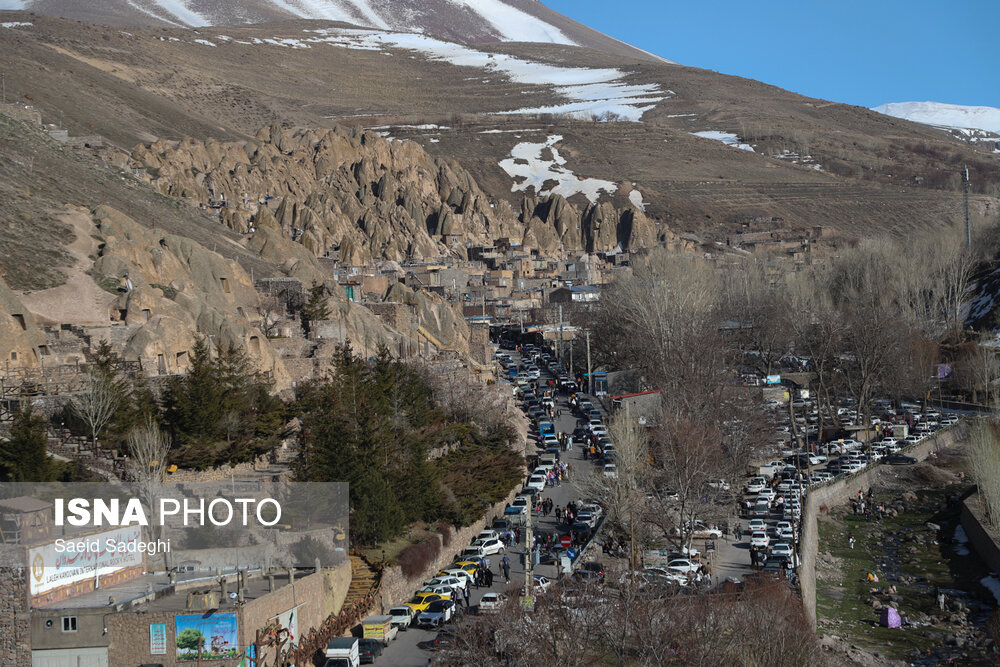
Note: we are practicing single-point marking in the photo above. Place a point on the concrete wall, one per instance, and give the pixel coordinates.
(983, 538)
(820, 498)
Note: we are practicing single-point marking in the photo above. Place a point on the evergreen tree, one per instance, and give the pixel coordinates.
(23, 458)
(316, 308)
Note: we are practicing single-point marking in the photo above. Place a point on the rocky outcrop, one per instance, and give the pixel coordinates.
(342, 189)
(20, 335)
(352, 193)
(172, 289)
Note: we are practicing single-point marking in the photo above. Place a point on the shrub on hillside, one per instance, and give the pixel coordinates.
(416, 558)
(444, 530)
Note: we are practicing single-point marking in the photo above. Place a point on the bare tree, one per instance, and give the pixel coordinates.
(148, 448)
(754, 302)
(97, 403)
(664, 321)
(685, 455)
(624, 495)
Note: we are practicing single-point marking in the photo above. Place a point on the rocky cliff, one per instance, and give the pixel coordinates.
(352, 192)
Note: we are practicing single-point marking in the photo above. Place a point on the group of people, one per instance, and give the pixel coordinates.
(866, 505)
(557, 474)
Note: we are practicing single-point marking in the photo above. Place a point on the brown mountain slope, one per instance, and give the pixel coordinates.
(482, 22)
(815, 163)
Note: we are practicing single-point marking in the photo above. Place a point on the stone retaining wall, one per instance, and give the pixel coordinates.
(397, 589)
(983, 538)
(820, 498)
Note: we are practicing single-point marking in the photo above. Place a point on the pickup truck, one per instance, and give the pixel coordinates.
(343, 652)
(379, 628)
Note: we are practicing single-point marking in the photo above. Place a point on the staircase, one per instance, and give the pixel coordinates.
(364, 580)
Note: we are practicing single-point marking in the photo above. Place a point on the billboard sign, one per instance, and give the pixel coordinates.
(68, 561)
(772, 379)
(207, 636)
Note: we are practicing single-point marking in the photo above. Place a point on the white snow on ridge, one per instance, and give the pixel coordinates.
(507, 22)
(178, 9)
(589, 92)
(727, 138)
(945, 115)
(636, 198)
(513, 24)
(15, 24)
(526, 162)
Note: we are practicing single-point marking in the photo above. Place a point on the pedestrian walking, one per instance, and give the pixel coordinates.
(850, 540)
(939, 594)
(558, 514)
(465, 596)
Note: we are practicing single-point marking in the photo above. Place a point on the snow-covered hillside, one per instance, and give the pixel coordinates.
(477, 20)
(945, 115)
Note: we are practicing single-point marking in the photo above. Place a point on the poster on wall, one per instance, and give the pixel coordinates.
(206, 637)
(157, 638)
(289, 621)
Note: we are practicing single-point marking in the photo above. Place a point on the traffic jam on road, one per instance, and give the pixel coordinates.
(570, 436)
(773, 492)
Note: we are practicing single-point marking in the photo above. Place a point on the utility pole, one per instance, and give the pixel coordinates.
(559, 344)
(528, 601)
(965, 187)
(590, 377)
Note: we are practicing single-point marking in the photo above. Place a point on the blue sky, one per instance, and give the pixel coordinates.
(864, 52)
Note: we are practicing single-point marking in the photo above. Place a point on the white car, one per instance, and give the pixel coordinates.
(550, 441)
(587, 518)
(458, 573)
(451, 582)
(756, 485)
(542, 583)
(768, 493)
(536, 482)
(759, 539)
(490, 602)
(440, 589)
(472, 552)
(720, 484)
(949, 420)
(757, 524)
(610, 470)
(487, 534)
(493, 546)
(683, 566)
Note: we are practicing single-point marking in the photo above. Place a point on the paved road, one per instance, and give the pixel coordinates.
(405, 650)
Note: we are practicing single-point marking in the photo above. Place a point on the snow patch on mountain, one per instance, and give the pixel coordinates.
(590, 92)
(727, 138)
(491, 18)
(176, 10)
(527, 162)
(945, 115)
(514, 25)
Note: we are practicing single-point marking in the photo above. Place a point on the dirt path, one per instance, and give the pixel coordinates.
(79, 300)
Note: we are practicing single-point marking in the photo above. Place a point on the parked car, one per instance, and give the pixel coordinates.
(759, 539)
(449, 581)
(402, 616)
(536, 482)
(610, 470)
(473, 552)
(899, 460)
(491, 546)
(421, 601)
(437, 614)
(757, 524)
(490, 602)
(756, 485)
(683, 566)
